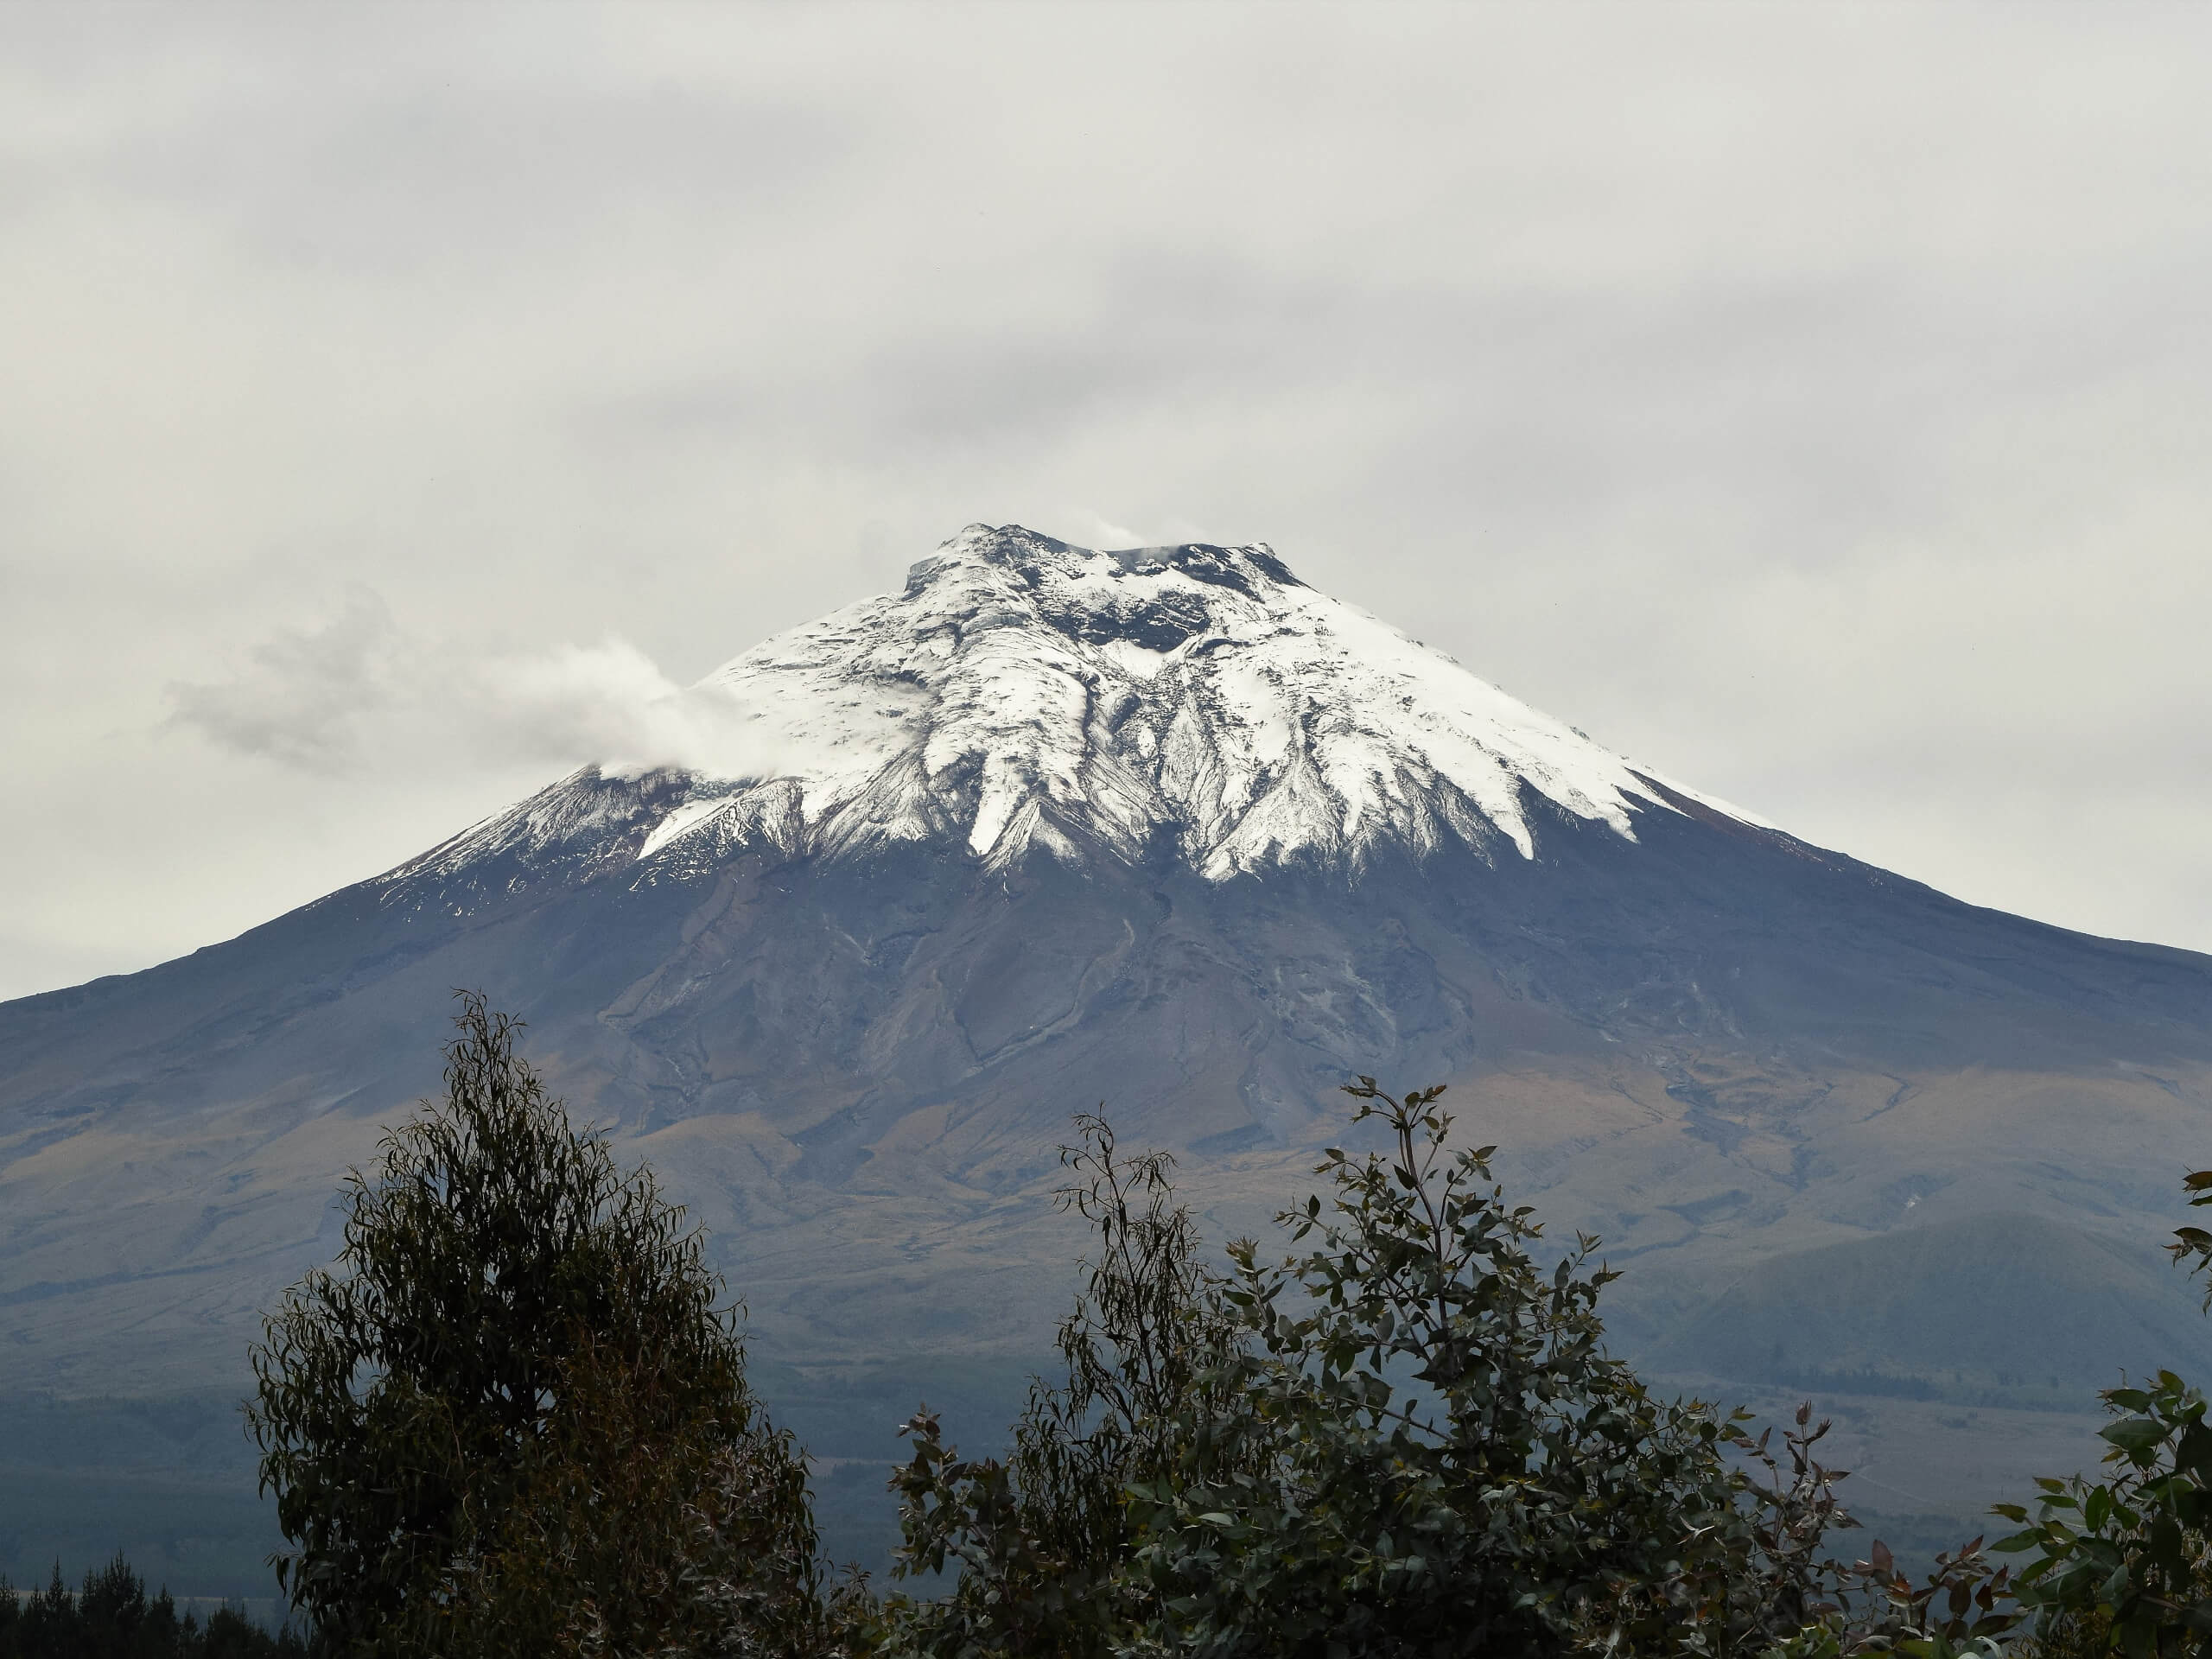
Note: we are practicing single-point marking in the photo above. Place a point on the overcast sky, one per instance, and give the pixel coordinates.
(1814, 402)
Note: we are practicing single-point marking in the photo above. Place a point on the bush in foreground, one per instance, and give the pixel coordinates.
(1405, 1439)
(514, 1418)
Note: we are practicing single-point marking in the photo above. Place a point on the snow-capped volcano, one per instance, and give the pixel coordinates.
(1050, 826)
(1021, 694)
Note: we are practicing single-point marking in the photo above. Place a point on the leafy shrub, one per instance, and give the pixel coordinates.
(1438, 1456)
(1041, 1540)
(2126, 1562)
(1406, 1439)
(514, 1418)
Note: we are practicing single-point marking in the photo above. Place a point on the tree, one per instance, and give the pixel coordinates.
(1439, 1457)
(112, 1617)
(513, 1416)
(1042, 1540)
(1408, 1440)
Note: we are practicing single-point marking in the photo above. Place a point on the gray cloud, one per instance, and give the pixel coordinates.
(1811, 400)
(355, 694)
(437, 186)
(301, 695)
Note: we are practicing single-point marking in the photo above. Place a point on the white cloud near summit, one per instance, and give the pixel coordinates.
(355, 695)
(1815, 401)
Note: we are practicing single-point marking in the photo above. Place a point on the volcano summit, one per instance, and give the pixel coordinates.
(1166, 827)
(1023, 695)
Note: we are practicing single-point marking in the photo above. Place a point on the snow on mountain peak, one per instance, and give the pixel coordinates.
(1022, 695)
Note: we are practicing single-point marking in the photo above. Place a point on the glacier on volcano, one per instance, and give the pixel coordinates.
(1024, 695)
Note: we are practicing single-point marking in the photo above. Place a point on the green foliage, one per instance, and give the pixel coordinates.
(1438, 1456)
(112, 1617)
(514, 1418)
(1406, 1439)
(2192, 1246)
(2126, 1562)
(1041, 1540)
(1964, 1606)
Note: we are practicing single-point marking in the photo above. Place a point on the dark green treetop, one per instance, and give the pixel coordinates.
(513, 1416)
